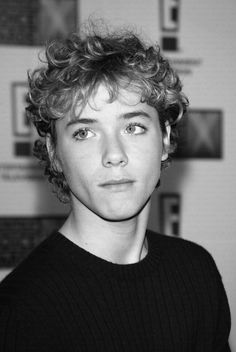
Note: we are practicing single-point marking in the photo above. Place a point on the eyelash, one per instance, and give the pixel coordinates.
(86, 129)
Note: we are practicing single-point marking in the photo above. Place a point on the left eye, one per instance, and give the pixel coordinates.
(83, 133)
(135, 128)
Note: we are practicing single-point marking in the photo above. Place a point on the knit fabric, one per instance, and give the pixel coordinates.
(62, 298)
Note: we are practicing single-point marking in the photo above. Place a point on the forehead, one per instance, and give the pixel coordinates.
(102, 96)
(103, 99)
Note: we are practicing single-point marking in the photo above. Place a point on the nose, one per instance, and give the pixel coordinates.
(114, 153)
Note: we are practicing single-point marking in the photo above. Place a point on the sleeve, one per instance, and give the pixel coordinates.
(21, 331)
(223, 324)
(217, 312)
(8, 330)
(214, 320)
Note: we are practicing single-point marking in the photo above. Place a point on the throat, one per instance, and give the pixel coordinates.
(121, 242)
(123, 253)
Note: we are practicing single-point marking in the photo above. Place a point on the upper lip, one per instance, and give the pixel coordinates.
(116, 181)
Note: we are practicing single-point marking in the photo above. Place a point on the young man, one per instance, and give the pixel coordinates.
(107, 109)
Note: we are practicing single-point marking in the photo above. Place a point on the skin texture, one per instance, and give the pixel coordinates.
(110, 141)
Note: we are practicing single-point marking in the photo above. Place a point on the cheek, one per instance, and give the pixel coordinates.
(152, 160)
(151, 152)
(78, 168)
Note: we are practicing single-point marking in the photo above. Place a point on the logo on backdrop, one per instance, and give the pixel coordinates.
(21, 126)
(170, 213)
(23, 166)
(170, 18)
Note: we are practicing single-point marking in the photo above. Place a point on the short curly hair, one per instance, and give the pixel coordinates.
(77, 64)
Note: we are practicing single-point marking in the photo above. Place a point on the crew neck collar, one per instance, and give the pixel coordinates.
(93, 264)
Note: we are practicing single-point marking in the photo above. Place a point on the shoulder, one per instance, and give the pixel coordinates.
(31, 273)
(193, 269)
(189, 271)
(184, 255)
(20, 299)
(172, 243)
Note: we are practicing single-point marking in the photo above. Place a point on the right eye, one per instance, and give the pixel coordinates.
(83, 133)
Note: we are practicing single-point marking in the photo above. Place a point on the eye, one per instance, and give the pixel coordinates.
(135, 128)
(83, 133)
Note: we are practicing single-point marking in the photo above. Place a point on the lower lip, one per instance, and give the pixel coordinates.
(118, 187)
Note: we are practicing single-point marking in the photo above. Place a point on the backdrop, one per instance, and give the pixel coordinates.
(196, 199)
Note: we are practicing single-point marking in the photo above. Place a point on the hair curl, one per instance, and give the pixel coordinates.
(76, 65)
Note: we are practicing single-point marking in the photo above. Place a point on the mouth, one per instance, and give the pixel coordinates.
(122, 181)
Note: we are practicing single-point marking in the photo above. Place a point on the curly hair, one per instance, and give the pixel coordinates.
(76, 65)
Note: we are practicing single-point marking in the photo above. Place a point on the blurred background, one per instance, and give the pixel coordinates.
(197, 196)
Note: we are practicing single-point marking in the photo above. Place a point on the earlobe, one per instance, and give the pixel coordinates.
(52, 154)
(166, 142)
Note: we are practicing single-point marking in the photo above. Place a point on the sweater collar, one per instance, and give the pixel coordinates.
(92, 264)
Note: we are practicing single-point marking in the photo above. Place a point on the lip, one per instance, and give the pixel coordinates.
(116, 182)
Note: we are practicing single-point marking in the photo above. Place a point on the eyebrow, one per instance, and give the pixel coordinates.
(126, 116)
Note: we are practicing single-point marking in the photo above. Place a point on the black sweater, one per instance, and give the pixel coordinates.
(62, 298)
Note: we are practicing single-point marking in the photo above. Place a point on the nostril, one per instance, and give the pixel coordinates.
(120, 162)
(114, 154)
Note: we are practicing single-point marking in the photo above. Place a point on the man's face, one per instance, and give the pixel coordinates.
(111, 154)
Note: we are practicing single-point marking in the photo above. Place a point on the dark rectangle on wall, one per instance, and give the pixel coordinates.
(169, 43)
(22, 149)
(32, 22)
(200, 135)
(20, 235)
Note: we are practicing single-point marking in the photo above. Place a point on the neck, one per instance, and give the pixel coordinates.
(121, 242)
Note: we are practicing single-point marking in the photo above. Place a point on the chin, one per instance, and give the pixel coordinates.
(122, 214)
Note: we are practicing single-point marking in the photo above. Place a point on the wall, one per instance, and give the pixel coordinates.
(207, 186)
(205, 58)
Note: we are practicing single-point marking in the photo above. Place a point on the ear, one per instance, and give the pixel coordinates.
(52, 153)
(166, 142)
